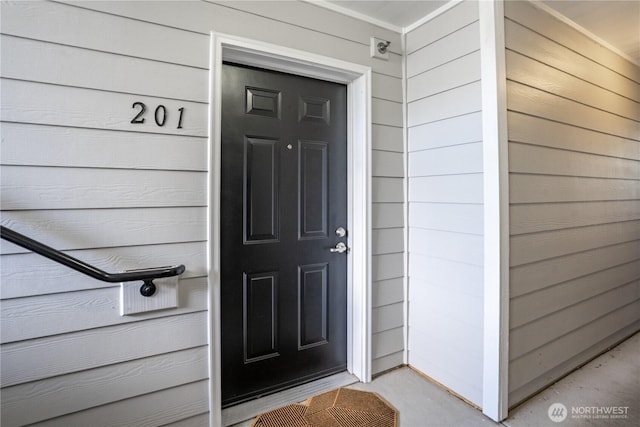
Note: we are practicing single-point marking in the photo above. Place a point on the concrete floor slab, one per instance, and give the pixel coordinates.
(422, 403)
(611, 380)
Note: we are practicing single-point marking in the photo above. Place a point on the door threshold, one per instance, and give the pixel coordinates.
(251, 409)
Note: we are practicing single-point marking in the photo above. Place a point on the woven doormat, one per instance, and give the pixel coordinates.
(342, 407)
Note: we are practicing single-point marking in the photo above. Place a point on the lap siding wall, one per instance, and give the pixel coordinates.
(574, 155)
(446, 200)
(77, 175)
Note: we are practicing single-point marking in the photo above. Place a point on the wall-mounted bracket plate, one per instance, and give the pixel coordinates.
(375, 51)
(132, 302)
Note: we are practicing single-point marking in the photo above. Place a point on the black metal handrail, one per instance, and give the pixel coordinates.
(146, 275)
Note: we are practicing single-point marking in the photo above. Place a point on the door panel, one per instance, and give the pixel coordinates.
(260, 316)
(261, 171)
(312, 291)
(313, 179)
(283, 195)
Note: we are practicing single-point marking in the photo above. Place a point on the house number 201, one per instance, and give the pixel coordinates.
(159, 115)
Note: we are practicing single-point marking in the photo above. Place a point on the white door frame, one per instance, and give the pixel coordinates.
(358, 81)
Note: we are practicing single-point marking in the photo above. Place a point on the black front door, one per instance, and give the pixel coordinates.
(283, 204)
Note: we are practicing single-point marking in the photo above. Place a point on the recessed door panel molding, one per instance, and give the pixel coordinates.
(260, 316)
(313, 189)
(261, 199)
(312, 305)
(314, 109)
(263, 102)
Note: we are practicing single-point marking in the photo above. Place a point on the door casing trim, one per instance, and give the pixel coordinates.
(224, 47)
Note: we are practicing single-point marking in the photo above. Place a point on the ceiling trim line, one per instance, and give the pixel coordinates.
(439, 11)
(353, 14)
(551, 11)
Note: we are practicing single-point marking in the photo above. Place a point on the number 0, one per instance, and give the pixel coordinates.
(160, 122)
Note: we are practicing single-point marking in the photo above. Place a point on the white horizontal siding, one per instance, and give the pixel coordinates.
(546, 133)
(455, 102)
(387, 240)
(26, 278)
(82, 28)
(459, 43)
(459, 17)
(33, 188)
(536, 102)
(44, 145)
(389, 164)
(387, 215)
(463, 218)
(528, 278)
(76, 229)
(79, 176)
(146, 410)
(387, 138)
(588, 341)
(451, 160)
(445, 199)
(47, 104)
(452, 246)
(540, 45)
(203, 17)
(452, 131)
(529, 307)
(386, 292)
(143, 76)
(320, 20)
(46, 315)
(58, 396)
(445, 77)
(465, 188)
(574, 131)
(527, 248)
(523, 69)
(101, 347)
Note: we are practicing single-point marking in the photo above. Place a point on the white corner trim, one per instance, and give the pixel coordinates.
(405, 232)
(551, 11)
(357, 15)
(442, 9)
(496, 211)
(213, 222)
(358, 80)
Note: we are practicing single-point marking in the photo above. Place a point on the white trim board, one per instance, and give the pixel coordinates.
(357, 15)
(439, 11)
(496, 211)
(358, 81)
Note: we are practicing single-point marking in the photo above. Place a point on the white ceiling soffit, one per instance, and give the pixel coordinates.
(397, 13)
(614, 22)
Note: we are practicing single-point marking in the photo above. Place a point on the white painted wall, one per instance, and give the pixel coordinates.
(77, 175)
(573, 115)
(446, 200)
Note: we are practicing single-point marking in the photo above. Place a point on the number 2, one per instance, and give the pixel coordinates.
(138, 118)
